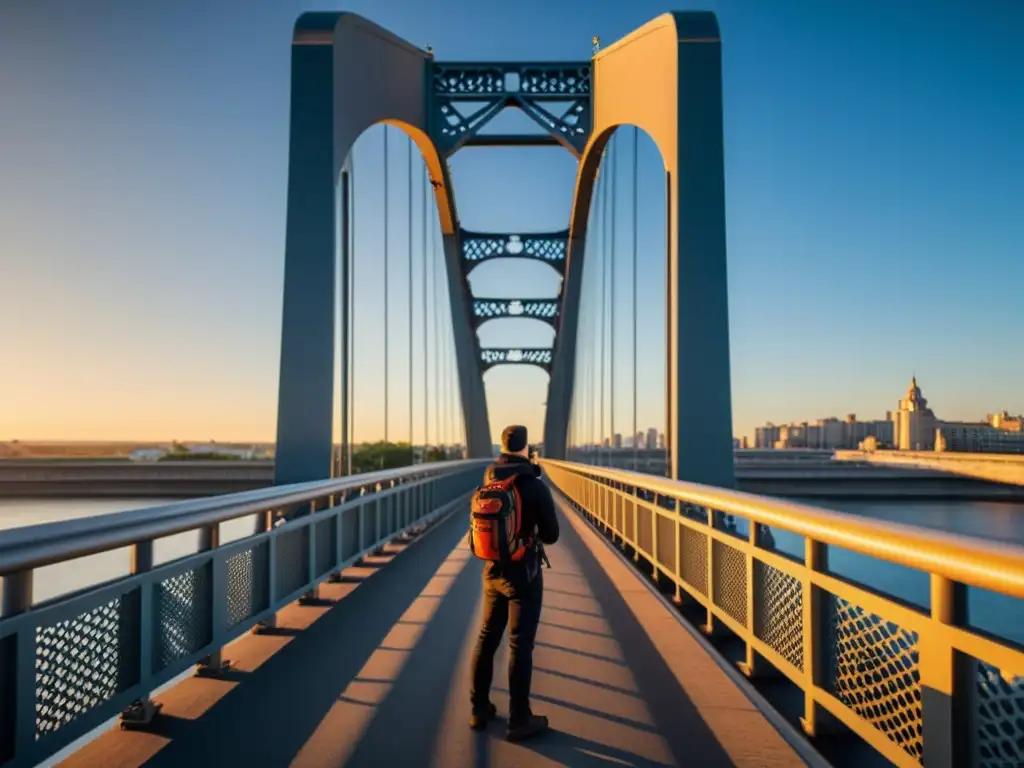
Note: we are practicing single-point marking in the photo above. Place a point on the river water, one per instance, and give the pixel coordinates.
(997, 521)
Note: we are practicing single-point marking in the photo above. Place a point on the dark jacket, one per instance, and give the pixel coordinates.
(538, 514)
(538, 506)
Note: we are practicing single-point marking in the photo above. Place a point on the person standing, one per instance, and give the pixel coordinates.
(512, 518)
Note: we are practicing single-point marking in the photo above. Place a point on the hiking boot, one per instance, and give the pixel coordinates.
(480, 717)
(525, 729)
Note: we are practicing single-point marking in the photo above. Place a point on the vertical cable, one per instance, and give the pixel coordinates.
(352, 313)
(423, 280)
(613, 160)
(604, 288)
(386, 329)
(412, 450)
(636, 447)
(438, 405)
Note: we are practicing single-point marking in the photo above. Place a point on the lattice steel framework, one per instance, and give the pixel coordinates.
(538, 356)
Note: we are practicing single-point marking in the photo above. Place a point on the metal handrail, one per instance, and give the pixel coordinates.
(35, 546)
(919, 684)
(71, 663)
(987, 564)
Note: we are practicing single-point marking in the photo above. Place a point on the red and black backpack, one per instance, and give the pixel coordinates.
(496, 521)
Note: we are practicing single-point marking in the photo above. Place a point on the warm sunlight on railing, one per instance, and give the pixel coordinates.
(909, 681)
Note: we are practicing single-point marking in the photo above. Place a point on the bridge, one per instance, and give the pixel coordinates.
(327, 619)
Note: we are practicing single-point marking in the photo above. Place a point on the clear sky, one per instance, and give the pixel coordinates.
(875, 184)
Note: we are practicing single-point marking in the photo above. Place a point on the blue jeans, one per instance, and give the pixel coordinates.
(508, 597)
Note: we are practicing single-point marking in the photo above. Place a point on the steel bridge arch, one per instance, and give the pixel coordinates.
(333, 102)
(666, 79)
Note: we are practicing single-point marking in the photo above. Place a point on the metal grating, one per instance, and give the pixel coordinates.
(85, 661)
(730, 581)
(779, 612)
(248, 574)
(645, 529)
(1000, 723)
(873, 669)
(292, 569)
(182, 615)
(666, 555)
(538, 309)
(540, 357)
(693, 551)
(549, 247)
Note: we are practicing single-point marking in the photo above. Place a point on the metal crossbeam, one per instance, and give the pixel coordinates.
(546, 310)
(538, 356)
(466, 96)
(551, 81)
(549, 247)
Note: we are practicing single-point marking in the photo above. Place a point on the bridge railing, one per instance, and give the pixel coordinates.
(70, 664)
(919, 685)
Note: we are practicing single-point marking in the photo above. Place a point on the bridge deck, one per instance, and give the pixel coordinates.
(378, 675)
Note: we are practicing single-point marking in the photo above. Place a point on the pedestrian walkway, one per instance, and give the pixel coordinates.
(377, 673)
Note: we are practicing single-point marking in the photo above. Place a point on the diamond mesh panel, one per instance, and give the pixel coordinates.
(85, 661)
(779, 612)
(561, 81)
(1000, 734)
(516, 356)
(873, 669)
(538, 309)
(247, 583)
(469, 80)
(667, 542)
(628, 517)
(645, 529)
(292, 567)
(551, 248)
(730, 582)
(182, 614)
(693, 550)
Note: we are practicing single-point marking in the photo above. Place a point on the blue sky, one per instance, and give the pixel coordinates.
(875, 179)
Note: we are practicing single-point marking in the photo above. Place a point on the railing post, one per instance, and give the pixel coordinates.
(209, 539)
(945, 680)
(709, 625)
(679, 550)
(142, 711)
(17, 593)
(266, 521)
(18, 726)
(750, 665)
(815, 652)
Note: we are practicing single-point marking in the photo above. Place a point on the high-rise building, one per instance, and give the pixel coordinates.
(652, 439)
(616, 440)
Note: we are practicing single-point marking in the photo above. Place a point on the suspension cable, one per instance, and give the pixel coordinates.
(435, 287)
(349, 405)
(423, 281)
(386, 328)
(636, 446)
(604, 292)
(412, 450)
(613, 160)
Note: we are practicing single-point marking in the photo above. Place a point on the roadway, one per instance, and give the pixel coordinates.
(376, 673)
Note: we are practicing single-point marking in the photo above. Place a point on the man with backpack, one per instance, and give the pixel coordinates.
(512, 516)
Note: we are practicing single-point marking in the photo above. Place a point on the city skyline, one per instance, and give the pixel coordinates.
(864, 204)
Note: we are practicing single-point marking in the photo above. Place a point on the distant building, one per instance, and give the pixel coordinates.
(147, 454)
(652, 439)
(616, 440)
(965, 437)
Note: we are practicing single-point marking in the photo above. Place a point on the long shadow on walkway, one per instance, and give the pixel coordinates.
(674, 715)
(267, 720)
